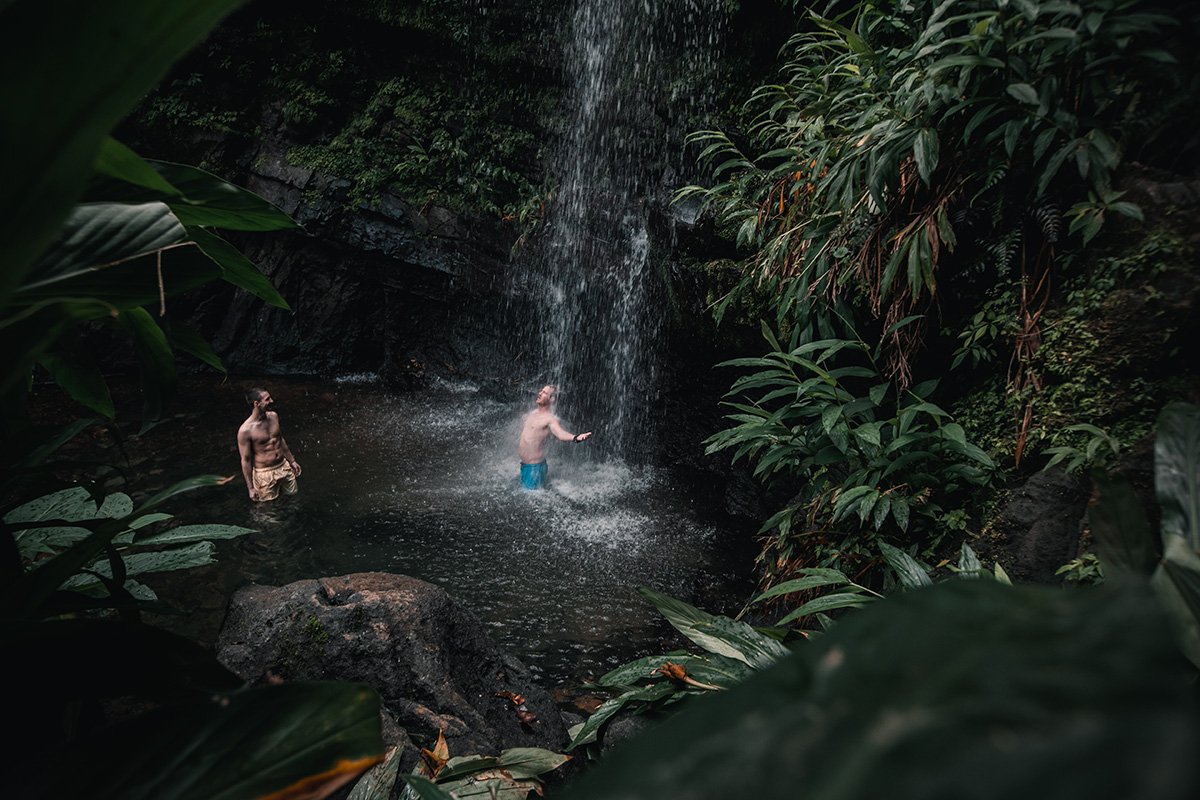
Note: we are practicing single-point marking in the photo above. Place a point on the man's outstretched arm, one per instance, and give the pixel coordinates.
(563, 435)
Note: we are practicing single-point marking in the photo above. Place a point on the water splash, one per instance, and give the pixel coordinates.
(633, 68)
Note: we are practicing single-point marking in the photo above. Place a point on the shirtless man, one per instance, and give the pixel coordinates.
(539, 424)
(267, 463)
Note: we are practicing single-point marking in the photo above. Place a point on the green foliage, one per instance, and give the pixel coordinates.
(52, 127)
(1099, 448)
(869, 459)
(424, 146)
(1101, 364)
(140, 233)
(1124, 540)
(733, 650)
(965, 689)
(435, 103)
(902, 138)
(49, 525)
(1086, 569)
(512, 775)
(144, 231)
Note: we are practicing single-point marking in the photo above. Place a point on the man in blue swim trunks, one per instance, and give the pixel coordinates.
(539, 424)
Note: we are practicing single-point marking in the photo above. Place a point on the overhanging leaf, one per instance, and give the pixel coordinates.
(91, 81)
(1120, 529)
(889, 705)
(1177, 582)
(236, 268)
(213, 202)
(97, 236)
(289, 741)
(115, 160)
(1177, 471)
(157, 362)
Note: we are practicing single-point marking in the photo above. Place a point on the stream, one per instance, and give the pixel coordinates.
(425, 484)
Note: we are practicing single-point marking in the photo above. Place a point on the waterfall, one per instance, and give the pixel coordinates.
(592, 278)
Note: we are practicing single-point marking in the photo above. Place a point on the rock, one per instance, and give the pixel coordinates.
(623, 727)
(1039, 527)
(428, 657)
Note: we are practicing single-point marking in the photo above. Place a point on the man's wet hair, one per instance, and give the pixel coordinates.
(254, 395)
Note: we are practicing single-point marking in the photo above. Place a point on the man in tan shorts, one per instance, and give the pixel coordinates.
(267, 463)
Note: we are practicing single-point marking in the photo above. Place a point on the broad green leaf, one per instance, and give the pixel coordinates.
(194, 555)
(719, 635)
(236, 268)
(61, 437)
(66, 87)
(954, 432)
(97, 236)
(157, 362)
(1177, 582)
(911, 574)
(185, 338)
(192, 533)
(826, 603)
(925, 151)
(801, 585)
(115, 160)
(377, 782)
(647, 694)
(70, 505)
(1120, 529)
(491, 785)
(968, 562)
(1177, 471)
(199, 199)
(24, 597)
(254, 742)
(80, 378)
(710, 668)
(891, 705)
(1024, 93)
(878, 392)
(423, 789)
(529, 762)
(32, 542)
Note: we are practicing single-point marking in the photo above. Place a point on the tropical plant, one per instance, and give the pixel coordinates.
(732, 651)
(1099, 449)
(90, 232)
(969, 688)
(47, 527)
(865, 454)
(914, 150)
(907, 697)
(512, 775)
(143, 232)
(1129, 546)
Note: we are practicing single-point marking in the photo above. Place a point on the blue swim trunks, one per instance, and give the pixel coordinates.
(533, 476)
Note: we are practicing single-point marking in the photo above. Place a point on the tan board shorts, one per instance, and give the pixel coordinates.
(269, 480)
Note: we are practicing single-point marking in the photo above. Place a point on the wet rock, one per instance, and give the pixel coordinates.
(429, 658)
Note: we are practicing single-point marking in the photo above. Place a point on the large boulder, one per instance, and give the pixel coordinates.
(1040, 526)
(429, 658)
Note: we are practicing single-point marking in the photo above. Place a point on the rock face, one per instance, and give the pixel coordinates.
(428, 657)
(1040, 526)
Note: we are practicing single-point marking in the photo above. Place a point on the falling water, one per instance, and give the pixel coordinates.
(632, 68)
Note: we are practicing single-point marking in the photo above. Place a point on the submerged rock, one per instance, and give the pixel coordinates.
(429, 658)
